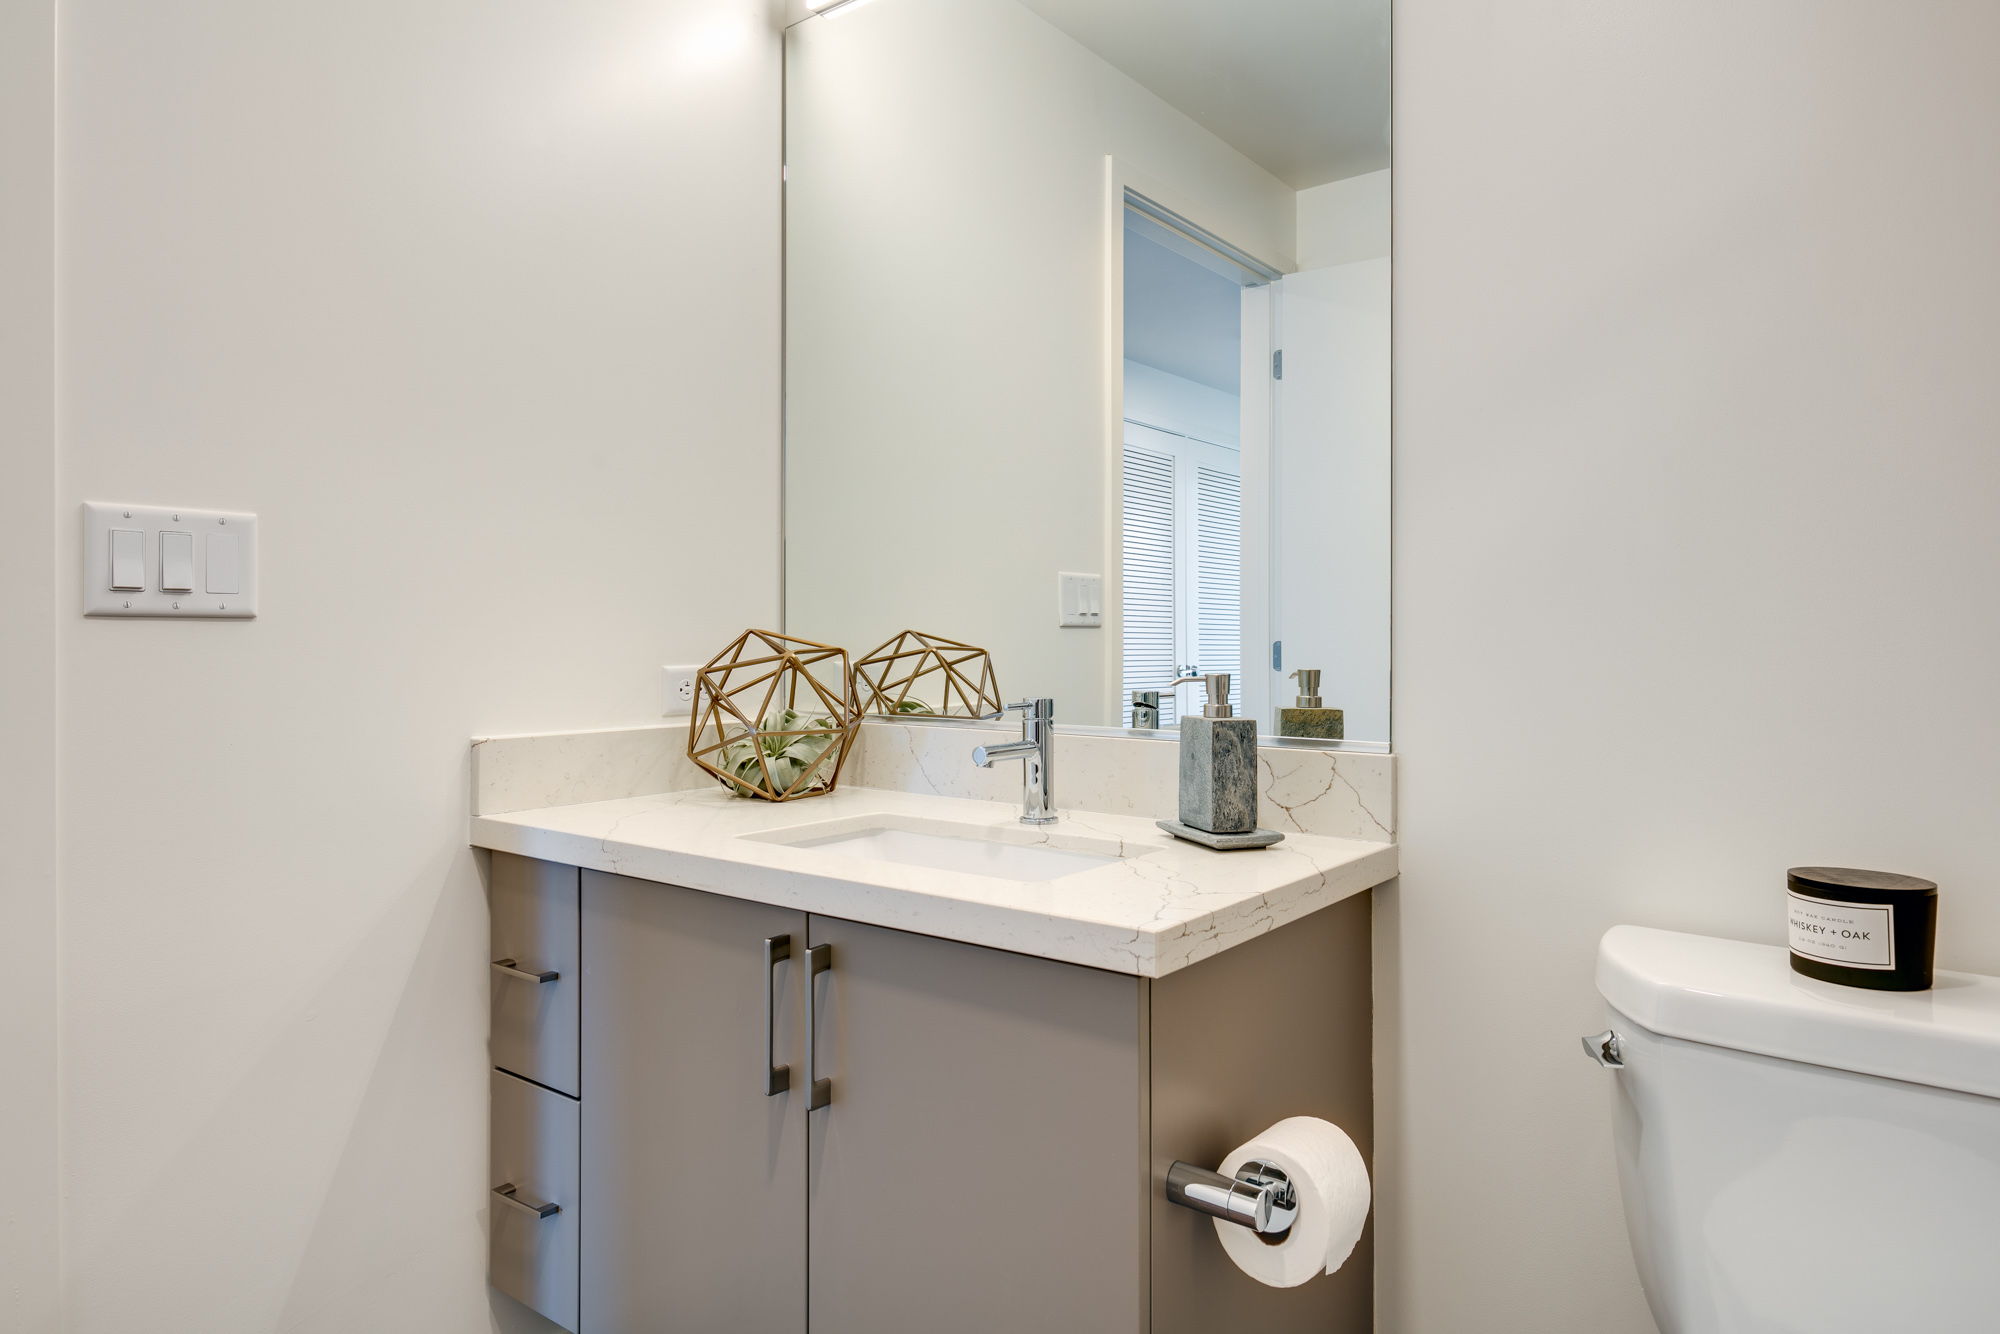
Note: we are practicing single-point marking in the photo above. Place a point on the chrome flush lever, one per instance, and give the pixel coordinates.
(1607, 1049)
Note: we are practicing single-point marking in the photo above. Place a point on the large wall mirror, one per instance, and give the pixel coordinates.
(1087, 346)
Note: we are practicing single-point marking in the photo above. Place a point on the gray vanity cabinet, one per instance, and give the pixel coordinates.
(694, 1172)
(980, 1167)
(991, 1152)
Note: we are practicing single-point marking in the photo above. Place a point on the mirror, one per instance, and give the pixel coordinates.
(1087, 347)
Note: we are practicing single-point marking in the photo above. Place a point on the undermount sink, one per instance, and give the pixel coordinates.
(969, 856)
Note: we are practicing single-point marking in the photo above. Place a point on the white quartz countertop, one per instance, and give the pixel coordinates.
(1163, 905)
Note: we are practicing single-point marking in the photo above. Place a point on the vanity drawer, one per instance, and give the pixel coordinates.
(535, 1031)
(533, 1249)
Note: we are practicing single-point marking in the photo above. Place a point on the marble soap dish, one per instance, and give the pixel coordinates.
(1258, 838)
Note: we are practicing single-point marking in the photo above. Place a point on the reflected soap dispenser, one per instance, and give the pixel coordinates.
(1218, 796)
(1308, 717)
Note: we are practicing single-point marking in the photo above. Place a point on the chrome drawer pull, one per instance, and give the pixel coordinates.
(821, 1089)
(777, 1077)
(509, 967)
(506, 1192)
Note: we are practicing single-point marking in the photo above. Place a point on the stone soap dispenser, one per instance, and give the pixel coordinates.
(1218, 805)
(1308, 717)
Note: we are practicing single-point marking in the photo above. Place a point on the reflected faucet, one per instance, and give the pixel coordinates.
(1036, 751)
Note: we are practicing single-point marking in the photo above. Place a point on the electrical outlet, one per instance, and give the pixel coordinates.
(677, 690)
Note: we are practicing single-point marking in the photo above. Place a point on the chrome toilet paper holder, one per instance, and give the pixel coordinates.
(1260, 1196)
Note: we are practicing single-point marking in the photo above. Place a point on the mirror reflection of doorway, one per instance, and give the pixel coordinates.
(1254, 509)
(1182, 494)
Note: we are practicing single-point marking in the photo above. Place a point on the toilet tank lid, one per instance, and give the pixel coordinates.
(1730, 993)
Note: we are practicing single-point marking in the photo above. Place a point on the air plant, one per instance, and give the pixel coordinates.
(791, 742)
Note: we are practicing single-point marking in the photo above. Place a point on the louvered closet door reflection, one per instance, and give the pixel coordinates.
(1149, 604)
(1218, 561)
(1183, 604)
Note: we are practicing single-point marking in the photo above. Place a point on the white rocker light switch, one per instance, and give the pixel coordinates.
(177, 562)
(128, 560)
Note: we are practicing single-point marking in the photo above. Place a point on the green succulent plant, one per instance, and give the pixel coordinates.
(786, 757)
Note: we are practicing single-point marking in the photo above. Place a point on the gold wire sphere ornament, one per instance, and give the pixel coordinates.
(961, 684)
(767, 722)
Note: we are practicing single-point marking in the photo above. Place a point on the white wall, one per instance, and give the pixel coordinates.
(29, 902)
(1696, 486)
(471, 303)
(1175, 403)
(946, 411)
(1344, 221)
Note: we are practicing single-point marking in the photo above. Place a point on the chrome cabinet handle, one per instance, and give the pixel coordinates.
(821, 957)
(1260, 1196)
(512, 969)
(777, 1078)
(1607, 1049)
(543, 1210)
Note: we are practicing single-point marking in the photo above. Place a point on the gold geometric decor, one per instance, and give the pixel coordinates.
(916, 673)
(772, 716)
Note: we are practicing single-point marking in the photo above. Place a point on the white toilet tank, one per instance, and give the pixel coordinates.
(1801, 1157)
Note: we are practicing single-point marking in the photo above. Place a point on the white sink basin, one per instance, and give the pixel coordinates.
(971, 856)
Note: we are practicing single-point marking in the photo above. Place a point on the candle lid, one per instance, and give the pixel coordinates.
(1838, 878)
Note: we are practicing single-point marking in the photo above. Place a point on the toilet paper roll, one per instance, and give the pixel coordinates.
(1332, 1184)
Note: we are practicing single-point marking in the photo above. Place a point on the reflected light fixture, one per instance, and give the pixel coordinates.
(834, 9)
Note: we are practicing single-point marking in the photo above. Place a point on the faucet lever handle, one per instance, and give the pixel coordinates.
(1036, 708)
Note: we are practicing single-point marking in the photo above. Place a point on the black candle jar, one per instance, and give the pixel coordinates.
(1862, 928)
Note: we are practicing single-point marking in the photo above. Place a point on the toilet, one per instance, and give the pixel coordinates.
(1798, 1157)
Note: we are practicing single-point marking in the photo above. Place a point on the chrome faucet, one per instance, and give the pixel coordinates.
(1036, 750)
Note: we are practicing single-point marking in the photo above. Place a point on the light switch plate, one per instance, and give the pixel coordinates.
(224, 551)
(677, 690)
(1080, 600)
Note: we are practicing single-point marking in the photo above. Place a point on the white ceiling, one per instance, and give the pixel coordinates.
(1300, 87)
(1180, 317)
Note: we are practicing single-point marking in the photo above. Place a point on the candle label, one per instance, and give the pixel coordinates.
(1853, 935)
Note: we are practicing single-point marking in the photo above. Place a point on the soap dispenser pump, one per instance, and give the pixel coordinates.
(1218, 787)
(1217, 705)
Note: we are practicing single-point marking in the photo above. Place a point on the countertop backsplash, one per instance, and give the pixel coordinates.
(1338, 793)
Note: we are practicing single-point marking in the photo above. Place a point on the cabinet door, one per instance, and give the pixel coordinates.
(980, 1165)
(693, 1172)
(1278, 1026)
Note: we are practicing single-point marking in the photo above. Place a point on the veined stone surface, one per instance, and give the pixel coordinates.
(1162, 905)
(1301, 790)
(518, 773)
(1218, 774)
(1324, 724)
